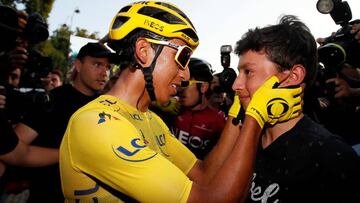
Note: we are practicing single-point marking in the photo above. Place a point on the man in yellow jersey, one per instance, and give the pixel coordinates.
(116, 150)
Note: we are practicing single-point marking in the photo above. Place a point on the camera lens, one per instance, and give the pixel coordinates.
(332, 54)
(325, 6)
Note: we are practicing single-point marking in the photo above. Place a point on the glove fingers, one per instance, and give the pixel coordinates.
(296, 91)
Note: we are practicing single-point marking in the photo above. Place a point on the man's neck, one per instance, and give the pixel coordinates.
(201, 106)
(129, 87)
(271, 134)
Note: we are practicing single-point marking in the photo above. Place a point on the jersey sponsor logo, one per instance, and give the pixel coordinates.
(132, 153)
(193, 141)
(161, 142)
(136, 117)
(263, 196)
(203, 127)
(107, 102)
(105, 116)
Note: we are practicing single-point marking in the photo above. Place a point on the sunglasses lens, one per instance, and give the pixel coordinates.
(184, 57)
(185, 83)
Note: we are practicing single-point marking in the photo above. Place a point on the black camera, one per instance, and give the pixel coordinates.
(9, 27)
(337, 49)
(35, 31)
(228, 75)
(37, 67)
(340, 47)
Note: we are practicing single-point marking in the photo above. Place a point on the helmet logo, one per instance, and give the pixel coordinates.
(153, 25)
(187, 38)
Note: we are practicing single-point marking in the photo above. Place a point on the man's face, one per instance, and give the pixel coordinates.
(14, 77)
(55, 80)
(93, 73)
(190, 95)
(167, 74)
(254, 69)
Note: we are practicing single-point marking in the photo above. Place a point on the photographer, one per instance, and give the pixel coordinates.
(13, 58)
(223, 95)
(342, 100)
(13, 151)
(46, 127)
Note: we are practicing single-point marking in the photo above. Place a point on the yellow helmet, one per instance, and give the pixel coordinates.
(161, 18)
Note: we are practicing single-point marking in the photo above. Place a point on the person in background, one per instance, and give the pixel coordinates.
(197, 125)
(14, 77)
(115, 149)
(343, 102)
(220, 97)
(53, 79)
(46, 128)
(297, 160)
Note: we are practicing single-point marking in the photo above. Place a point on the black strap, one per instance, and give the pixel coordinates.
(147, 71)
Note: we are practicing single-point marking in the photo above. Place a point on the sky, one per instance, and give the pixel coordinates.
(218, 22)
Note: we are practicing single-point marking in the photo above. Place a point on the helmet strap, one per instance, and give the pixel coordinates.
(147, 71)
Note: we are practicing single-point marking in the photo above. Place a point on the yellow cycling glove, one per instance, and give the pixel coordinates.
(271, 104)
(235, 107)
(173, 106)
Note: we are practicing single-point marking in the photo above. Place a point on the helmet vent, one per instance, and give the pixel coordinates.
(119, 21)
(160, 15)
(125, 9)
(175, 9)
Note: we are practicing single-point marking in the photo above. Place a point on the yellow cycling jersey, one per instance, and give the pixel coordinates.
(111, 151)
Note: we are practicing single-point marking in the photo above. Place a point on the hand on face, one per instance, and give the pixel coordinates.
(272, 104)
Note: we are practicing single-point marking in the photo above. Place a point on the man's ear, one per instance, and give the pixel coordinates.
(142, 51)
(204, 87)
(77, 65)
(294, 76)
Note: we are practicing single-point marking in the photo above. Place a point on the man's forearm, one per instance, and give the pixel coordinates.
(215, 159)
(230, 183)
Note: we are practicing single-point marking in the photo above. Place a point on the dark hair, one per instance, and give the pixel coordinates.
(126, 47)
(58, 72)
(201, 70)
(287, 43)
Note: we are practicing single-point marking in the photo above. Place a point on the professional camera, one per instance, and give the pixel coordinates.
(339, 48)
(35, 31)
(228, 75)
(29, 96)
(37, 67)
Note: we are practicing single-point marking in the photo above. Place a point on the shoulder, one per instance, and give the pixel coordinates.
(331, 148)
(62, 89)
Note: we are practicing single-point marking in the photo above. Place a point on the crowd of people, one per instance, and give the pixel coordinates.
(163, 128)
